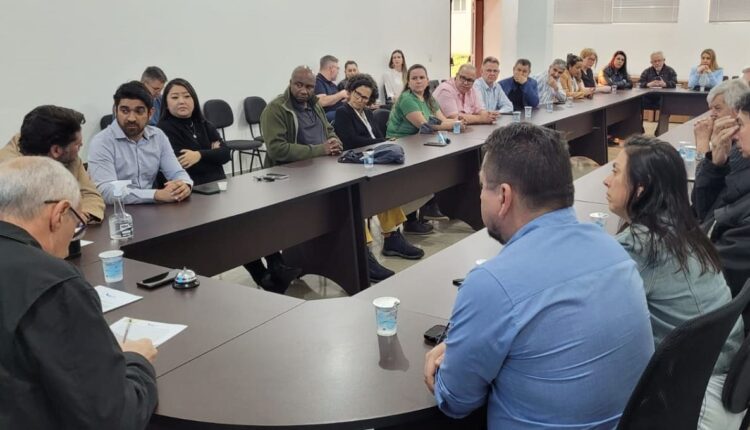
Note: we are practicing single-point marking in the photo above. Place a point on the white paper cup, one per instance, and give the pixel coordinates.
(386, 314)
(112, 265)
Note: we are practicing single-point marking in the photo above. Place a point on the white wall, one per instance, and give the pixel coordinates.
(681, 41)
(75, 53)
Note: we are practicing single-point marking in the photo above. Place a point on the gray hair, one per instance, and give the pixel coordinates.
(27, 182)
(326, 60)
(559, 63)
(732, 90)
(655, 53)
(466, 66)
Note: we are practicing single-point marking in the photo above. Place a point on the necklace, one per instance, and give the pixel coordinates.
(192, 130)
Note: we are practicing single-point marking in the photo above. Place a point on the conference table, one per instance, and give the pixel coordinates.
(253, 359)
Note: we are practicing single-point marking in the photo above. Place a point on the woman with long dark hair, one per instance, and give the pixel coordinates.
(681, 269)
(202, 153)
(415, 106)
(616, 72)
(571, 80)
(196, 142)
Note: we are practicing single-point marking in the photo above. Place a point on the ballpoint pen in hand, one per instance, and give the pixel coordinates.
(127, 329)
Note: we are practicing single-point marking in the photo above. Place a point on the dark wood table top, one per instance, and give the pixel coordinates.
(215, 312)
(320, 363)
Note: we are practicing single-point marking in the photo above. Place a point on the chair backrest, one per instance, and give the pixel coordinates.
(381, 119)
(253, 107)
(218, 113)
(736, 392)
(669, 394)
(434, 84)
(105, 121)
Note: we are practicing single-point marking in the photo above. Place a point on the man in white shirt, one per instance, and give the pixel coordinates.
(493, 96)
(550, 89)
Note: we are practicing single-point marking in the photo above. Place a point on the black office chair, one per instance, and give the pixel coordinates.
(220, 115)
(736, 392)
(433, 84)
(381, 119)
(105, 121)
(253, 107)
(669, 394)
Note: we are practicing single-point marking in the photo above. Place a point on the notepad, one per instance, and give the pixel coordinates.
(156, 331)
(113, 299)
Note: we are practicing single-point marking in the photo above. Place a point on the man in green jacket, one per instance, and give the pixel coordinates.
(295, 126)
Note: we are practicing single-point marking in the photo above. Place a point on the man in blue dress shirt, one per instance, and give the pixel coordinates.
(130, 149)
(554, 331)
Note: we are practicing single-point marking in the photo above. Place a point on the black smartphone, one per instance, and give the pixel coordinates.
(434, 334)
(435, 144)
(158, 280)
(207, 189)
(458, 282)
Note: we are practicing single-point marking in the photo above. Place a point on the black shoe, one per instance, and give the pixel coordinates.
(283, 275)
(431, 211)
(396, 245)
(375, 271)
(418, 227)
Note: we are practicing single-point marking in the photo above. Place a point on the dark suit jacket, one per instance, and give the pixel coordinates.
(352, 132)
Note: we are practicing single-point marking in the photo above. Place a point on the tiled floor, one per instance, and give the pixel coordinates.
(312, 287)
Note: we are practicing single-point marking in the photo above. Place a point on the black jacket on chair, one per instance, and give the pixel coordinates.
(352, 131)
(721, 199)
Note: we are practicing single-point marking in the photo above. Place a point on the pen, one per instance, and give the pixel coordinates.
(127, 329)
(443, 334)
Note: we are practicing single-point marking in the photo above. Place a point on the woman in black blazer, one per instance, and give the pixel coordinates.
(355, 126)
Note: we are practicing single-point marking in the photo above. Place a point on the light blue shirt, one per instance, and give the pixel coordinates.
(112, 157)
(553, 332)
(493, 97)
(712, 78)
(157, 111)
(548, 94)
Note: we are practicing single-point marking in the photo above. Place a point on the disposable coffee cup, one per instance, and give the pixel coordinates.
(527, 111)
(112, 265)
(689, 154)
(550, 107)
(516, 116)
(599, 218)
(386, 313)
(569, 101)
(614, 89)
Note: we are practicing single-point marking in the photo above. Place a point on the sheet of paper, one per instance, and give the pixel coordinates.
(156, 331)
(113, 299)
(86, 242)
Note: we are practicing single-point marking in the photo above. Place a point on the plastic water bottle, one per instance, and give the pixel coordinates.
(369, 159)
(703, 81)
(121, 222)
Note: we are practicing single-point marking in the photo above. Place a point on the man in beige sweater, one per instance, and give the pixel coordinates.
(55, 132)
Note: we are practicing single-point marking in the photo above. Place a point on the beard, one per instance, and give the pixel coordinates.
(131, 130)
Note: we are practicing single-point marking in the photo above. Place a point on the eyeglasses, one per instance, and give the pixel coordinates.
(80, 229)
(361, 97)
(466, 80)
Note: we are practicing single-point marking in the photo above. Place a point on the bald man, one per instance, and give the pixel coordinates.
(459, 99)
(294, 124)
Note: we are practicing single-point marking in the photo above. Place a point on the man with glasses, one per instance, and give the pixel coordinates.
(459, 100)
(329, 96)
(493, 97)
(130, 149)
(55, 132)
(550, 88)
(61, 365)
(659, 75)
